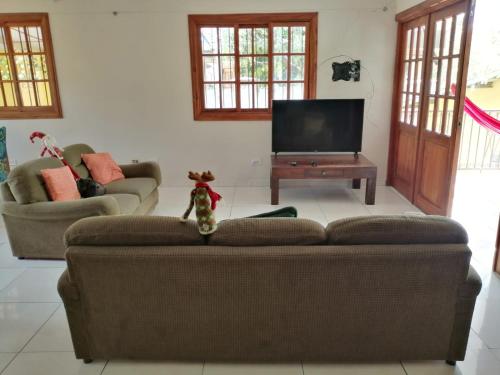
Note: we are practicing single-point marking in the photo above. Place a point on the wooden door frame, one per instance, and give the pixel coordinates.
(496, 262)
(424, 9)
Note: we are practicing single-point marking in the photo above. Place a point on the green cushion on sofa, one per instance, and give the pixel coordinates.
(26, 182)
(140, 186)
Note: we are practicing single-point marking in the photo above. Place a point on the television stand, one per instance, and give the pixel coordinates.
(300, 167)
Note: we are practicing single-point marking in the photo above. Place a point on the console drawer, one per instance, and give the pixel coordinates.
(324, 173)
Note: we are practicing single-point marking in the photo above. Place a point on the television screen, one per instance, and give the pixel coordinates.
(330, 125)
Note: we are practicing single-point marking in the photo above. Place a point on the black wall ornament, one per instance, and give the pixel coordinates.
(349, 70)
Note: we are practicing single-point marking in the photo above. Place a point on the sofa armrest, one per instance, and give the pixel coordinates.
(472, 285)
(144, 169)
(95, 206)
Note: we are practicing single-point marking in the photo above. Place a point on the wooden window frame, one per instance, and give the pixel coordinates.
(196, 22)
(31, 112)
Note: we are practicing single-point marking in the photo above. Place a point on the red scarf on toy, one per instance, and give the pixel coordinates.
(214, 197)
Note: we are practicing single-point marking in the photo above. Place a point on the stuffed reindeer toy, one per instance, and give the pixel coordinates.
(205, 200)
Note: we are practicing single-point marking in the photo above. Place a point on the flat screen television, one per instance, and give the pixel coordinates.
(327, 125)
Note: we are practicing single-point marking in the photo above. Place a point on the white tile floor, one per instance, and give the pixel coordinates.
(34, 334)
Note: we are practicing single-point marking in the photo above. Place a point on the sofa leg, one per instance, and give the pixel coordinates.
(20, 258)
(87, 360)
(451, 363)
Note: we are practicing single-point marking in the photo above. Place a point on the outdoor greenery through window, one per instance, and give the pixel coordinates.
(28, 86)
(243, 62)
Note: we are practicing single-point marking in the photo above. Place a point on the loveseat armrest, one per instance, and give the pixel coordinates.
(144, 169)
(95, 206)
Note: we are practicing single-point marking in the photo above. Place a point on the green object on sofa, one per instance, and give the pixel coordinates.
(280, 290)
(282, 212)
(4, 159)
(35, 225)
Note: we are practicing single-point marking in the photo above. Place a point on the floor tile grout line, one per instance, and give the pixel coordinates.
(15, 278)
(203, 368)
(103, 367)
(302, 367)
(31, 338)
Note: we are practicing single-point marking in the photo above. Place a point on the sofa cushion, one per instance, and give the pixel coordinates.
(26, 182)
(268, 232)
(73, 155)
(140, 186)
(397, 229)
(133, 230)
(128, 202)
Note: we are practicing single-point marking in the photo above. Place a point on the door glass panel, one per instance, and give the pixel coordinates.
(437, 38)
(422, 42)
(412, 77)
(444, 75)
(458, 33)
(419, 77)
(439, 119)
(403, 108)
(405, 82)
(430, 115)
(434, 77)
(408, 44)
(449, 118)
(415, 41)
(454, 75)
(416, 108)
(447, 36)
(409, 110)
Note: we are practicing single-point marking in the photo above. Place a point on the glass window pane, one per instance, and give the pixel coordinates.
(3, 45)
(408, 44)
(35, 39)
(40, 67)
(406, 80)
(437, 37)
(227, 68)
(246, 99)
(430, 114)
(260, 41)
(280, 68)
(412, 77)
(43, 94)
(297, 67)
(297, 90)
(279, 91)
(5, 68)
(298, 39)
(2, 102)
(403, 108)
(246, 69)
(415, 41)
(10, 95)
(210, 68)
(261, 95)
(280, 39)
(245, 41)
(228, 95)
(261, 69)
(444, 76)
(454, 75)
(410, 108)
(27, 94)
(212, 96)
(422, 42)
(435, 64)
(226, 39)
(209, 43)
(439, 119)
(23, 67)
(19, 39)
(447, 36)
(449, 118)
(459, 30)
(419, 77)
(416, 108)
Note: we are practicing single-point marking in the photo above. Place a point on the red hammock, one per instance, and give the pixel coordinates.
(480, 116)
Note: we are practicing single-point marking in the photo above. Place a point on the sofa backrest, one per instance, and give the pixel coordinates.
(73, 155)
(26, 183)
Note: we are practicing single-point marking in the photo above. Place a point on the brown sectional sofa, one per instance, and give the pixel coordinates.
(35, 225)
(365, 289)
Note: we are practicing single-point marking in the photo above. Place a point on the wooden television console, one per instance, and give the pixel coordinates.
(299, 167)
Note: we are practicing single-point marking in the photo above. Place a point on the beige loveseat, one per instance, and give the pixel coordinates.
(364, 289)
(35, 225)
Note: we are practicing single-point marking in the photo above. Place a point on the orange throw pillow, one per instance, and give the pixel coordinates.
(102, 167)
(61, 184)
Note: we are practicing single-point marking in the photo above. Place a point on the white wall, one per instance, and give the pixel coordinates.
(405, 4)
(126, 87)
